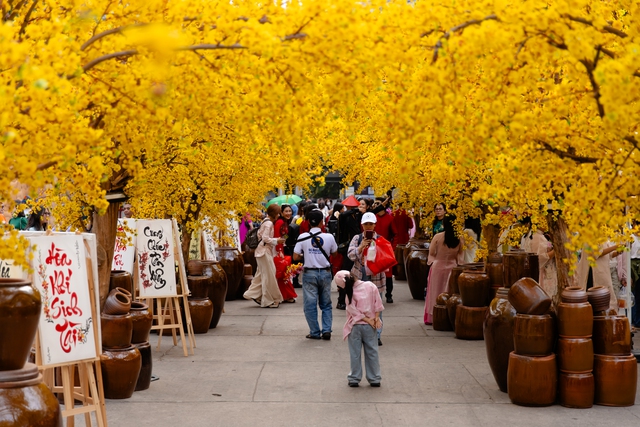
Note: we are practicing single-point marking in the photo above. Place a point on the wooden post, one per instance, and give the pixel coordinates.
(105, 228)
(559, 237)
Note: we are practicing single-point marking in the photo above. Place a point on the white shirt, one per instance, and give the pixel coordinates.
(313, 256)
(635, 248)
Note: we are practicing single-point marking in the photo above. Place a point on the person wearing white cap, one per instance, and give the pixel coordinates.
(364, 306)
(360, 249)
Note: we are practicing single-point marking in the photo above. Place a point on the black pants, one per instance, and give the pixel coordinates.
(389, 285)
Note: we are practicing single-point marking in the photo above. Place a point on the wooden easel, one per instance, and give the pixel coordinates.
(90, 391)
(167, 312)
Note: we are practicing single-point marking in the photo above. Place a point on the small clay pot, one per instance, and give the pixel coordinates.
(417, 270)
(532, 381)
(144, 379)
(123, 291)
(442, 299)
(575, 355)
(527, 297)
(217, 293)
(573, 294)
(469, 321)
(120, 371)
(452, 285)
(495, 269)
(576, 390)
(616, 379)
(611, 335)
(599, 298)
(121, 279)
(441, 318)
(201, 310)
(513, 266)
(195, 267)
(116, 330)
(533, 335)
(117, 303)
(199, 286)
(575, 319)
(474, 288)
(452, 304)
(142, 319)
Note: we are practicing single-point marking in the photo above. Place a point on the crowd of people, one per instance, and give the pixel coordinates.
(25, 219)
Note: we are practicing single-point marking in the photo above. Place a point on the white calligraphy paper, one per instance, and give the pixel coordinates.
(8, 270)
(60, 274)
(209, 246)
(125, 249)
(156, 263)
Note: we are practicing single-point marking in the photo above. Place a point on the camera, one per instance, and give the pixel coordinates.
(368, 234)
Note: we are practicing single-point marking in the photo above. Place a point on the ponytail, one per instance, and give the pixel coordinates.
(348, 287)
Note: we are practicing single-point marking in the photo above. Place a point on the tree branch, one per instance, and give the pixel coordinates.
(46, 165)
(566, 154)
(106, 9)
(23, 27)
(459, 27)
(606, 28)
(89, 65)
(590, 67)
(105, 33)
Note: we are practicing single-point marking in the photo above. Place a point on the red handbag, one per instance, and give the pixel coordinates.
(385, 258)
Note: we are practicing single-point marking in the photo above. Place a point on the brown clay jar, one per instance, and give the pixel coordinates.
(217, 292)
(117, 303)
(121, 279)
(249, 257)
(116, 330)
(495, 269)
(533, 335)
(20, 306)
(575, 319)
(231, 261)
(26, 401)
(144, 379)
(469, 322)
(195, 267)
(527, 297)
(199, 286)
(575, 355)
(573, 294)
(475, 286)
(120, 370)
(417, 271)
(599, 298)
(513, 266)
(201, 310)
(576, 390)
(452, 285)
(398, 269)
(532, 381)
(611, 335)
(452, 305)
(532, 266)
(498, 336)
(442, 299)
(142, 319)
(248, 271)
(441, 318)
(616, 379)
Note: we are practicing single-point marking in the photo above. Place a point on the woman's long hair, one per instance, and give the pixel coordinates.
(348, 287)
(475, 225)
(450, 238)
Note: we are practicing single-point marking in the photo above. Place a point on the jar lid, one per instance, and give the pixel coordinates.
(26, 376)
(14, 282)
(495, 258)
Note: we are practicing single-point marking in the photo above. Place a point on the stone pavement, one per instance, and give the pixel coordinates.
(257, 369)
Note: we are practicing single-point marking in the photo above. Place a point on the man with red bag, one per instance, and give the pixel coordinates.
(371, 255)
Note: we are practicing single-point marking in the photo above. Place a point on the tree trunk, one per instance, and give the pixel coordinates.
(105, 228)
(186, 242)
(559, 238)
(491, 235)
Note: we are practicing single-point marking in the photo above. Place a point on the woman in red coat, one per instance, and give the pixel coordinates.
(282, 261)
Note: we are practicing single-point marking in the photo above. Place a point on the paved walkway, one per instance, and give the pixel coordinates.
(257, 369)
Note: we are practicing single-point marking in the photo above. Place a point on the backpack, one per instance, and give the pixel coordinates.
(251, 239)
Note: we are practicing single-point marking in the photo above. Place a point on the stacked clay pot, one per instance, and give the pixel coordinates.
(514, 264)
(26, 400)
(575, 349)
(440, 316)
(417, 270)
(498, 336)
(232, 263)
(120, 361)
(615, 369)
(200, 306)
(532, 375)
(121, 279)
(475, 287)
(495, 271)
(142, 319)
(246, 278)
(217, 288)
(454, 299)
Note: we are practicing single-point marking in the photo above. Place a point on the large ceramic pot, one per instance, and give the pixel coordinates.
(575, 319)
(441, 318)
(142, 319)
(616, 379)
(249, 256)
(452, 285)
(527, 297)
(475, 286)
(217, 289)
(532, 381)
(611, 335)
(576, 390)
(232, 263)
(532, 266)
(20, 306)
(398, 269)
(452, 305)
(469, 322)
(144, 379)
(417, 271)
(514, 263)
(121, 279)
(116, 330)
(199, 286)
(599, 298)
(201, 310)
(575, 355)
(498, 336)
(495, 269)
(26, 401)
(195, 267)
(117, 302)
(120, 371)
(533, 335)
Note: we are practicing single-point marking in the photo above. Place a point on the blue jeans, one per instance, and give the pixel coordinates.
(363, 336)
(381, 325)
(316, 291)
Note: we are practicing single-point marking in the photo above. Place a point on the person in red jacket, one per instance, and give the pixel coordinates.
(385, 229)
(402, 225)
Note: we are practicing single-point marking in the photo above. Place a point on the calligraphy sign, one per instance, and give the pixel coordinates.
(124, 251)
(156, 263)
(8, 270)
(60, 274)
(209, 246)
(233, 227)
